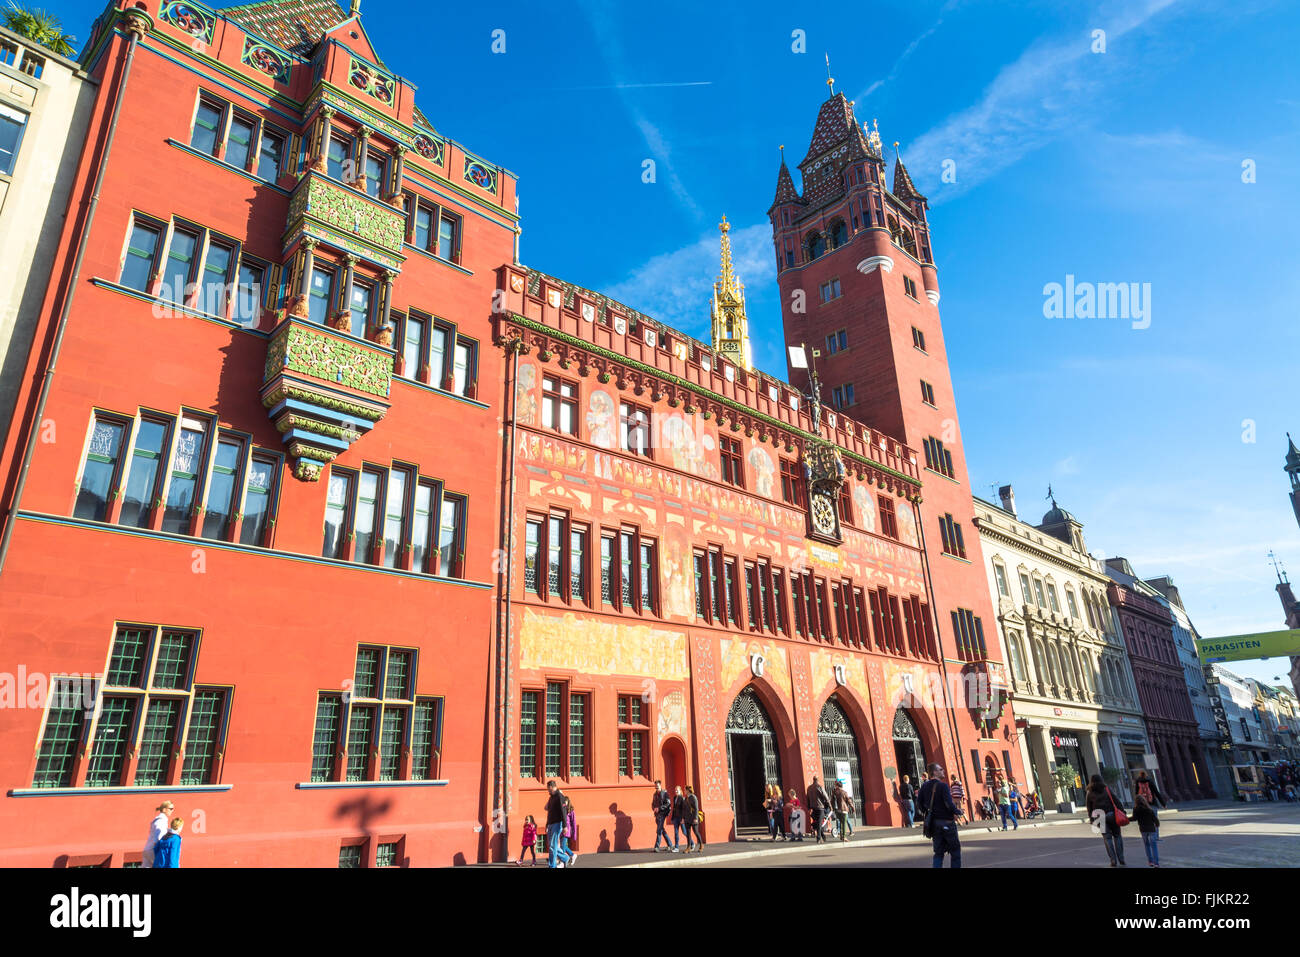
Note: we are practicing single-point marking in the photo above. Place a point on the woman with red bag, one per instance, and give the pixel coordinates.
(1106, 818)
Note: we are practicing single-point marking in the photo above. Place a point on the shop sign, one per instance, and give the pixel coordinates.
(1064, 741)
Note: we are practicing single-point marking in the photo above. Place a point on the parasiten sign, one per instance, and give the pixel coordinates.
(1269, 644)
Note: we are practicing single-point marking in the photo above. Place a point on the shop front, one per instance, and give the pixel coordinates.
(1067, 750)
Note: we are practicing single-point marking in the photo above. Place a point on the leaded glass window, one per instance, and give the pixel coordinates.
(397, 678)
(325, 739)
(390, 743)
(361, 726)
(424, 732)
(386, 855)
(160, 726)
(100, 470)
(607, 569)
(528, 702)
(129, 659)
(554, 548)
(577, 561)
(647, 575)
(577, 735)
(201, 743)
(64, 726)
(532, 556)
(112, 739)
(187, 463)
(554, 697)
(172, 669)
(350, 855)
(366, 679)
(625, 558)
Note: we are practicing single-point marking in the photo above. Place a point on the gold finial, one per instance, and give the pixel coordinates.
(830, 80)
(730, 325)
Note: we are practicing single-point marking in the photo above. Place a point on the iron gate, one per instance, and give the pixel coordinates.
(838, 743)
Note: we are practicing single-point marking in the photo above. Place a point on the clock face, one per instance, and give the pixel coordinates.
(823, 515)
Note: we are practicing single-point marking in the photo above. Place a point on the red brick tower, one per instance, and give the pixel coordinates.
(858, 283)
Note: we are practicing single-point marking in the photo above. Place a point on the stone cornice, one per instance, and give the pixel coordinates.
(999, 534)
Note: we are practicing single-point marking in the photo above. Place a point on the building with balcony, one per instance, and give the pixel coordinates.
(250, 517)
(45, 103)
(1070, 678)
(1147, 626)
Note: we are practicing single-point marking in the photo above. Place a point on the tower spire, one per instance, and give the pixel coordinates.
(830, 80)
(730, 324)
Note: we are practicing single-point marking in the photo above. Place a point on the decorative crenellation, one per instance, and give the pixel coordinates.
(516, 333)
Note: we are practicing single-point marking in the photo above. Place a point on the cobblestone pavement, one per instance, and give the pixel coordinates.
(1232, 836)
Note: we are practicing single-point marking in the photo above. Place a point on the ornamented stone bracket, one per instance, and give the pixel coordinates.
(323, 391)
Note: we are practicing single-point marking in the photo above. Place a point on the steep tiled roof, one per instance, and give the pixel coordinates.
(785, 191)
(903, 186)
(295, 25)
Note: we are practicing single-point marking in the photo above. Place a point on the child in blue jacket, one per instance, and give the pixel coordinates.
(167, 852)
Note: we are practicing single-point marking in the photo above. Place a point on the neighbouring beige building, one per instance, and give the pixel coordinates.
(45, 103)
(1073, 689)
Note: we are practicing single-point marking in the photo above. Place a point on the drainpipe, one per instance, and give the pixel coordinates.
(943, 658)
(137, 28)
(504, 644)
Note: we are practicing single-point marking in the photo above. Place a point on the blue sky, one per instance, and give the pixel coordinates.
(1117, 166)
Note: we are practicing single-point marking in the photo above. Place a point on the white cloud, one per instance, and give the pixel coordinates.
(1044, 95)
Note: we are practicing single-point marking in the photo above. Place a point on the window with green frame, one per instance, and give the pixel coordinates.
(141, 253)
(383, 718)
(148, 705)
(561, 718)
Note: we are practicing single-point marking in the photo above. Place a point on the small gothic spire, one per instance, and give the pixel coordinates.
(830, 80)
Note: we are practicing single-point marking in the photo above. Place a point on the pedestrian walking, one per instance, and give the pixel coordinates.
(693, 818)
(907, 797)
(679, 818)
(842, 804)
(958, 792)
(818, 804)
(529, 842)
(167, 852)
(940, 818)
(794, 816)
(1146, 787)
(1016, 810)
(661, 806)
(556, 813)
(1149, 825)
(570, 832)
(1101, 807)
(1004, 804)
(158, 828)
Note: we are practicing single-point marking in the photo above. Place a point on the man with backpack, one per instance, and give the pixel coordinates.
(843, 806)
(661, 805)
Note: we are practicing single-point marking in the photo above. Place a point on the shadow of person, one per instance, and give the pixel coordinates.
(603, 846)
(622, 829)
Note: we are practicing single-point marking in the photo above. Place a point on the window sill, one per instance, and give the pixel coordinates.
(185, 310)
(155, 789)
(186, 148)
(436, 391)
(199, 542)
(946, 478)
(327, 785)
(956, 558)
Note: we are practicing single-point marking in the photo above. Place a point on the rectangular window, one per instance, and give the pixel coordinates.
(423, 229)
(320, 295)
(12, 123)
(800, 622)
(577, 563)
(552, 741)
(114, 732)
(701, 586)
(560, 405)
(187, 467)
(350, 855)
(830, 290)
(223, 491)
(846, 504)
(937, 458)
(731, 581)
(909, 287)
(918, 338)
(451, 537)
(202, 741)
(888, 518)
(71, 703)
(270, 154)
(1024, 589)
(842, 395)
(633, 736)
(950, 530)
(528, 714)
(464, 370)
(1070, 603)
(412, 346)
(179, 267)
(215, 286)
(778, 601)
(927, 393)
(363, 297)
(792, 482)
(367, 507)
(448, 233)
(729, 451)
(439, 374)
(361, 729)
(337, 502)
(634, 435)
(607, 548)
(1038, 593)
(337, 154)
(376, 172)
(249, 292)
(239, 141)
(578, 735)
(1000, 574)
(426, 737)
(716, 587)
(207, 126)
(395, 530)
(259, 498)
(99, 474)
(141, 254)
(751, 596)
(1051, 597)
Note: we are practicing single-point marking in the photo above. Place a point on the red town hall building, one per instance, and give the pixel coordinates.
(246, 576)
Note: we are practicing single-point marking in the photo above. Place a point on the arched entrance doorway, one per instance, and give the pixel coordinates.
(840, 759)
(752, 759)
(674, 764)
(908, 748)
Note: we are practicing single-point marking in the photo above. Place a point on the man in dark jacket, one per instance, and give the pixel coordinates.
(937, 800)
(818, 804)
(661, 806)
(1146, 787)
(906, 797)
(842, 805)
(555, 827)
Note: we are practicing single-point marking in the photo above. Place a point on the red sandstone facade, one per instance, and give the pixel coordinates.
(318, 703)
(859, 283)
(1162, 692)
